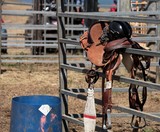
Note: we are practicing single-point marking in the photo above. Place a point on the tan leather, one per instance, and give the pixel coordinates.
(95, 55)
(84, 40)
(96, 30)
(94, 52)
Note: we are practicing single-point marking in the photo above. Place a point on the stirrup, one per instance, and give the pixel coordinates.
(108, 116)
(138, 127)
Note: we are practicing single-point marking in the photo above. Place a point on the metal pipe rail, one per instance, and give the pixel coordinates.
(128, 50)
(54, 45)
(85, 63)
(143, 52)
(27, 13)
(81, 14)
(35, 61)
(29, 41)
(41, 27)
(29, 26)
(69, 40)
(17, 36)
(30, 61)
(110, 16)
(75, 5)
(138, 39)
(121, 115)
(18, 3)
(116, 107)
(115, 77)
(84, 90)
(39, 56)
(134, 16)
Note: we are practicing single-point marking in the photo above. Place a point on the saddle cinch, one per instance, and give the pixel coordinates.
(108, 54)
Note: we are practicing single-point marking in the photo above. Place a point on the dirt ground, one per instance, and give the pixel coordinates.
(23, 79)
(43, 79)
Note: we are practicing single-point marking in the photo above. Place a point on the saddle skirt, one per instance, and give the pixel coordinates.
(89, 41)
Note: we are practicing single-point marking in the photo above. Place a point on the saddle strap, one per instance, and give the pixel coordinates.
(134, 100)
(107, 102)
(117, 44)
(107, 92)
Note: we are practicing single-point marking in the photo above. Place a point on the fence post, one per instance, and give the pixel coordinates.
(158, 46)
(62, 60)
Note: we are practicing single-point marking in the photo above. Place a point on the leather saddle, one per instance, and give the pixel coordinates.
(109, 55)
(102, 54)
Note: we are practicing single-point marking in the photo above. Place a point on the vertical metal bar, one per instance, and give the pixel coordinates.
(40, 21)
(118, 5)
(123, 6)
(35, 18)
(72, 19)
(68, 19)
(45, 23)
(32, 31)
(158, 45)
(0, 37)
(62, 60)
(103, 112)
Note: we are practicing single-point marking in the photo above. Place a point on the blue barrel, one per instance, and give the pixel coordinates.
(38, 113)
